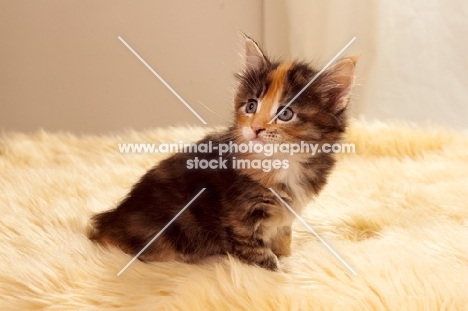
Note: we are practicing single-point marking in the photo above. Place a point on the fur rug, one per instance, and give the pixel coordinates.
(396, 211)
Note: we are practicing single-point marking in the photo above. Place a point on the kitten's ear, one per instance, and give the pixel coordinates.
(337, 82)
(254, 58)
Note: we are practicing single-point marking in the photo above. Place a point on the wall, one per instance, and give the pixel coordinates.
(412, 64)
(63, 68)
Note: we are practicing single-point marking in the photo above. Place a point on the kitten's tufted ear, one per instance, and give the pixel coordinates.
(254, 58)
(337, 82)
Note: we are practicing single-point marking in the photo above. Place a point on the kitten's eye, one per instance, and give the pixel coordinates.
(286, 115)
(251, 106)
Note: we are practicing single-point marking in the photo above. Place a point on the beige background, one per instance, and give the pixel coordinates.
(63, 68)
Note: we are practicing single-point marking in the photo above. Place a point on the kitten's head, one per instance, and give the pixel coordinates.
(265, 87)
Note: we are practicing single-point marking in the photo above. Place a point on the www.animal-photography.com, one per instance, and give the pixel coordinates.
(233, 155)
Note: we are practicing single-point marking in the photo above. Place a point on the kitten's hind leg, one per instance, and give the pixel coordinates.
(212, 259)
(255, 252)
(281, 244)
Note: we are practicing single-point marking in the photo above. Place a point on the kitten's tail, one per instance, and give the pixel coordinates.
(96, 229)
(102, 229)
(91, 231)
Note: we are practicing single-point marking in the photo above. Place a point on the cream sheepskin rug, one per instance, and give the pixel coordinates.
(396, 211)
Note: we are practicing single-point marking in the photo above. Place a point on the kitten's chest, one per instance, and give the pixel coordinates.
(293, 185)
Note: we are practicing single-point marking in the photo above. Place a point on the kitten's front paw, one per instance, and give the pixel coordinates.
(261, 256)
(270, 263)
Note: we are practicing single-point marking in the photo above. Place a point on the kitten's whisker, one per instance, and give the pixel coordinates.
(206, 107)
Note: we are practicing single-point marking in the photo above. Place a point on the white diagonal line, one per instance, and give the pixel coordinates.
(162, 80)
(160, 232)
(315, 233)
(313, 79)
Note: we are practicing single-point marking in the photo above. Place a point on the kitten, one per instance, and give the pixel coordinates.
(237, 214)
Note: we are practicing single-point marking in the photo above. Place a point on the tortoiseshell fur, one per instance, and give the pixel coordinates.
(237, 214)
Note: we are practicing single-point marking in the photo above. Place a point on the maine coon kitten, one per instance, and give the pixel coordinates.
(237, 213)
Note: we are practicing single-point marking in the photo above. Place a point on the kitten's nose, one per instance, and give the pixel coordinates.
(257, 130)
(258, 125)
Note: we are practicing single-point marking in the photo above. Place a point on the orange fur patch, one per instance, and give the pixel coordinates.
(277, 78)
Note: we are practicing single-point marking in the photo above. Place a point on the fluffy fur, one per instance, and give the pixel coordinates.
(396, 210)
(237, 214)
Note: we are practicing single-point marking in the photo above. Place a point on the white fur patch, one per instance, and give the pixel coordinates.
(248, 133)
(293, 177)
